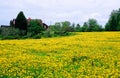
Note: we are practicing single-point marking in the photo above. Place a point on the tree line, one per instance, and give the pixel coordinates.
(91, 25)
(35, 28)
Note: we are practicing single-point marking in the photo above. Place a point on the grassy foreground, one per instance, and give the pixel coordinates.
(89, 54)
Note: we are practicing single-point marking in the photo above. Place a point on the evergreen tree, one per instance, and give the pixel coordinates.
(21, 23)
(113, 23)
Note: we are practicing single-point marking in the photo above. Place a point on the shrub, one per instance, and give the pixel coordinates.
(10, 31)
(38, 36)
(7, 37)
(48, 33)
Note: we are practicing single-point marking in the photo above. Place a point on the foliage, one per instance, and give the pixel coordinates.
(85, 27)
(10, 32)
(34, 27)
(80, 56)
(21, 23)
(91, 25)
(78, 28)
(113, 23)
(38, 36)
(49, 33)
(66, 26)
(60, 28)
(73, 27)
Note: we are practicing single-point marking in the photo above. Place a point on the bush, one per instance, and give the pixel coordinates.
(48, 33)
(61, 33)
(38, 36)
(10, 31)
(7, 37)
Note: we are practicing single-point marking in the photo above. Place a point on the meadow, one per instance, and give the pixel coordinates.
(83, 55)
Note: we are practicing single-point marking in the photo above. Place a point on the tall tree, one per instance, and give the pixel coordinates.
(91, 25)
(113, 23)
(21, 22)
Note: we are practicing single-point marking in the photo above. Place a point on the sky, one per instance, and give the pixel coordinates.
(51, 11)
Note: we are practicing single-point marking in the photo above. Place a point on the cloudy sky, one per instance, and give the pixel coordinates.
(50, 11)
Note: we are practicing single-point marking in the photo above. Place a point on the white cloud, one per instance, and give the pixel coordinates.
(59, 10)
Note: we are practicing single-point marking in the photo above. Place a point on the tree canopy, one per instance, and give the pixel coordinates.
(113, 23)
(91, 25)
(34, 27)
(21, 22)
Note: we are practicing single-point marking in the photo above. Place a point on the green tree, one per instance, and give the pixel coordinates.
(73, 27)
(21, 23)
(10, 32)
(78, 28)
(57, 26)
(85, 27)
(61, 28)
(91, 25)
(66, 26)
(113, 22)
(34, 28)
(118, 27)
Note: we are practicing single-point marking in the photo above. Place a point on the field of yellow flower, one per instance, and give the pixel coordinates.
(84, 55)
